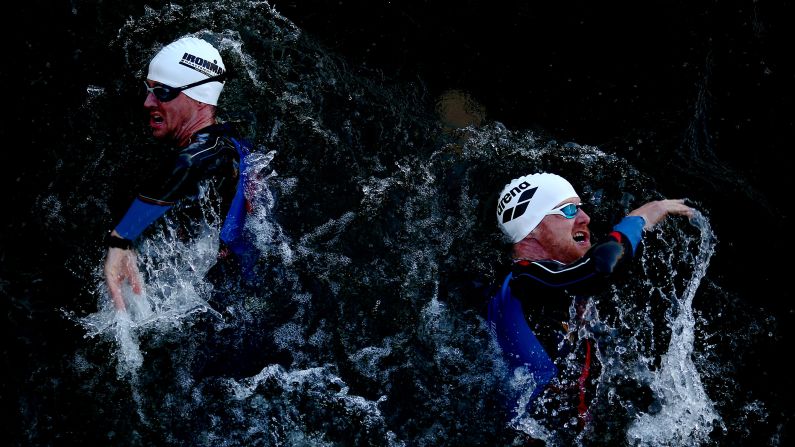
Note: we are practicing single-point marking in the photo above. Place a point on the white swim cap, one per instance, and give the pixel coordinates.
(186, 61)
(524, 202)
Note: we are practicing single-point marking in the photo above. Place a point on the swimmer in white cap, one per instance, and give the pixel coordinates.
(183, 85)
(185, 80)
(541, 215)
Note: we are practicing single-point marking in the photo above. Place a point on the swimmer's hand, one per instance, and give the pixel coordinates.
(121, 265)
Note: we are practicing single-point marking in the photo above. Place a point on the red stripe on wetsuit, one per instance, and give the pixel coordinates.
(582, 407)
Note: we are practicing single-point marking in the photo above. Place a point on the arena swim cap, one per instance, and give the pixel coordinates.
(524, 202)
(189, 60)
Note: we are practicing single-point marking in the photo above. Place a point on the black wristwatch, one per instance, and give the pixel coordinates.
(118, 242)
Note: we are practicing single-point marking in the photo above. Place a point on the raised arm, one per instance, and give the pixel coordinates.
(654, 212)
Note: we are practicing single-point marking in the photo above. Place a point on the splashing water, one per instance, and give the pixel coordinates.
(687, 415)
(280, 420)
(355, 334)
(174, 273)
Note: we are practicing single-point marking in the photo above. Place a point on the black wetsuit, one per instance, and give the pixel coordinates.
(216, 154)
(529, 310)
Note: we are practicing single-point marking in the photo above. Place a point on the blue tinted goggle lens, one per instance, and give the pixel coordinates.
(567, 210)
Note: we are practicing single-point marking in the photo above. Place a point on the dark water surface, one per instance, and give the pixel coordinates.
(371, 212)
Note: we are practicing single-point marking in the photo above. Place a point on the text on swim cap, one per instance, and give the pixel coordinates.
(510, 194)
(203, 66)
(521, 205)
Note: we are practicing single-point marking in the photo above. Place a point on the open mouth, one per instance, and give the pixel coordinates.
(580, 237)
(157, 119)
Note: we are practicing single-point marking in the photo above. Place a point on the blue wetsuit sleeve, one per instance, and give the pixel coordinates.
(632, 228)
(140, 215)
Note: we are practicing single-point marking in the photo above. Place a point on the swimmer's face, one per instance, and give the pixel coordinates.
(170, 120)
(563, 239)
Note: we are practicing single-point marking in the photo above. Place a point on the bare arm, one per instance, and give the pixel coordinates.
(654, 212)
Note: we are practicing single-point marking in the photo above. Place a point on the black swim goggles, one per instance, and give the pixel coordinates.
(165, 93)
(567, 210)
